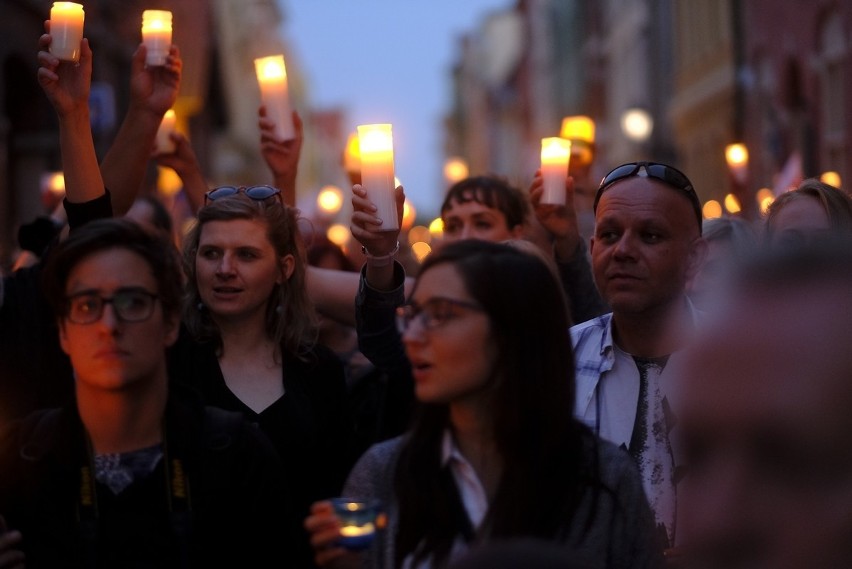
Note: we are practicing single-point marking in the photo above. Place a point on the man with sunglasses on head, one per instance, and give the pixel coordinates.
(646, 246)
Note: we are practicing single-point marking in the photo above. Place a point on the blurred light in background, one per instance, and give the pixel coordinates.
(338, 234)
(637, 124)
(764, 197)
(419, 233)
(831, 178)
(409, 213)
(168, 181)
(330, 200)
(455, 170)
(712, 209)
(436, 228)
(53, 182)
(732, 204)
(421, 250)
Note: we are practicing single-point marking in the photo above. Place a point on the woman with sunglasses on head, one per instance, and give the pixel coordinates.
(251, 341)
(493, 452)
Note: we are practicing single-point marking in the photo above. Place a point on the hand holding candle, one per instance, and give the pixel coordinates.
(272, 79)
(555, 155)
(157, 36)
(66, 30)
(164, 142)
(377, 171)
(358, 522)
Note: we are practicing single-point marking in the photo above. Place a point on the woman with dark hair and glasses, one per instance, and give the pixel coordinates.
(251, 343)
(493, 452)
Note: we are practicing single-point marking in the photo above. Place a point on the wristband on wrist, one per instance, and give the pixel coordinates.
(380, 260)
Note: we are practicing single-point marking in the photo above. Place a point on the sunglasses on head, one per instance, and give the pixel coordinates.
(257, 193)
(662, 172)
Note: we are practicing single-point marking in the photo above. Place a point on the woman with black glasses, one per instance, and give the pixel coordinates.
(494, 452)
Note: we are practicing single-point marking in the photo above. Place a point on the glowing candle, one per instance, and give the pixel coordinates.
(555, 155)
(66, 30)
(358, 522)
(376, 144)
(272, 78)
(157, 35)
(164, 143)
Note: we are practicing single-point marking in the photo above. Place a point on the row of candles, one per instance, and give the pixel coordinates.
(375, 140)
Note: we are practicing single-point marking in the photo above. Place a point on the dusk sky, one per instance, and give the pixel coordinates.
(387, 61)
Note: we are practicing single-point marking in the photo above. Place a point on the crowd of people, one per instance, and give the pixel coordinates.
(673, 394)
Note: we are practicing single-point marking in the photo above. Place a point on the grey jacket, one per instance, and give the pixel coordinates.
(620, 536)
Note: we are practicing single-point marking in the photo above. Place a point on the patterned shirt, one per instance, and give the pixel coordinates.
(623, 399)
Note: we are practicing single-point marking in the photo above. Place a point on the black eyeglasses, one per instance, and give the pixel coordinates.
(432, 314)
(129, 304)
(669, 175)
(257, 193)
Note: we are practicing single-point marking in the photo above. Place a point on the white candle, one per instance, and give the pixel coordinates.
(376, 144)
(66, 30)
(272, 78)
(156, 35)
(164, 143)
(555, 155)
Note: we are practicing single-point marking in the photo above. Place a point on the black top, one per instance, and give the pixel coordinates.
(233, 516)
(310, 425)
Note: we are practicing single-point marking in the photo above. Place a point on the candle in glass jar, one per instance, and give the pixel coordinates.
(66, 30)
(377, 172)
(555, 155)
(164, 142)
(156, 35)
(272, 78)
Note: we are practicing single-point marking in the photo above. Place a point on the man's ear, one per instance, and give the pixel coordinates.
(697, 253)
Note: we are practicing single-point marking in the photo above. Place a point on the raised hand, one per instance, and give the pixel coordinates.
(365, 225)
(558, 220)
(155, 89)
(282, 157)
(65, 83)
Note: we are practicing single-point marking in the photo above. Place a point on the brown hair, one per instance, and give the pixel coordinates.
(836, 202)
(290, 316)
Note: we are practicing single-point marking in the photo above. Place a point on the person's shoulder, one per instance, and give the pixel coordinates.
(598, 322)
(590, 328)
(374, 470)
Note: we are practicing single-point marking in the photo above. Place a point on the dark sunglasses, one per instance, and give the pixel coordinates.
(669, 175)
(257, 193)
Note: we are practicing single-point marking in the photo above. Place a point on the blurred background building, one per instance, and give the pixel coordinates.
(669, 80)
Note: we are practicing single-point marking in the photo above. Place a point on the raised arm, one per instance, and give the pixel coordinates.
(67, 88)
(569, 252)
(282, 158)
(185, 163)
(153, 91)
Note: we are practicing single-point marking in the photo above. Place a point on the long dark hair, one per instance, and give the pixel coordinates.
(541, 445)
